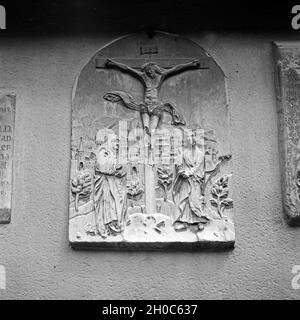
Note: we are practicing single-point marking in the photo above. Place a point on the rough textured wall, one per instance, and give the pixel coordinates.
(34, 247)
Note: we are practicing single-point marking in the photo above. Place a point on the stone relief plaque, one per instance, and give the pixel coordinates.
(7, 124)
(287, 76)
(150, 148)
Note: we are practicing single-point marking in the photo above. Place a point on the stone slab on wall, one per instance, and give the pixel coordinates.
(151, 151)
(7, 128)
(287, 76)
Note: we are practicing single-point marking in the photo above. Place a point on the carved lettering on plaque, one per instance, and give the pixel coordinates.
(7, 121)
(287, 75)
(151, 160)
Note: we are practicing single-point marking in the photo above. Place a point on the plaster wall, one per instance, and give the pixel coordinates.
(34, 246)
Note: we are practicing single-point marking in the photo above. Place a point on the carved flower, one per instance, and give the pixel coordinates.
(134, 188)
(81, 187)
(165, 178)
(220, 192)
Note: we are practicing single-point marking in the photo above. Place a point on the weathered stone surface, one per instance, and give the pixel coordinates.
(7, 123)
(287, 76)
(151, 160)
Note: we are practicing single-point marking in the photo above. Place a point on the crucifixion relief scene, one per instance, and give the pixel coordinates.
(150, 150)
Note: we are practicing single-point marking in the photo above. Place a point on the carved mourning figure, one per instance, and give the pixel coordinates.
(108, 203)
(187, 192)
(152, 169)
(190, 183)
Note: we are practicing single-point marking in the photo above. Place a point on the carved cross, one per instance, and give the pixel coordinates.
(166, 63)
(151, 73)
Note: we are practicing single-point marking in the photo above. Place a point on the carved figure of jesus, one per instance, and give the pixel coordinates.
(151, 109)
(152, 77)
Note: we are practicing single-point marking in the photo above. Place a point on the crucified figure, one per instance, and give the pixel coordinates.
(152, 76)
(151, 110)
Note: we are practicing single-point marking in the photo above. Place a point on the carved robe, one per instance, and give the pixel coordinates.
(108, 199)
(187, 191)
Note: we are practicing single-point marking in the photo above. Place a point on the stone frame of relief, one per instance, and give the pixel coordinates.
(287, 85)
(150, 148)
(7, 129)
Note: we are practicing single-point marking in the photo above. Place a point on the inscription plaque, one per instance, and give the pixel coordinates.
(150, 148)
(287, 76)
(7, 121)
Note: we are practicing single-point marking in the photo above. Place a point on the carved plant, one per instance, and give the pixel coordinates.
(81, 188)
(221, 161)
(220, 193)
(134, 189)
(165, 178)
(151, 223)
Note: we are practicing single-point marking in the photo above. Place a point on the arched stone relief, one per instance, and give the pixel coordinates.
(151, 157)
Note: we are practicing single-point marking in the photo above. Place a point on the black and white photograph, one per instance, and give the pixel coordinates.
(149, 152)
